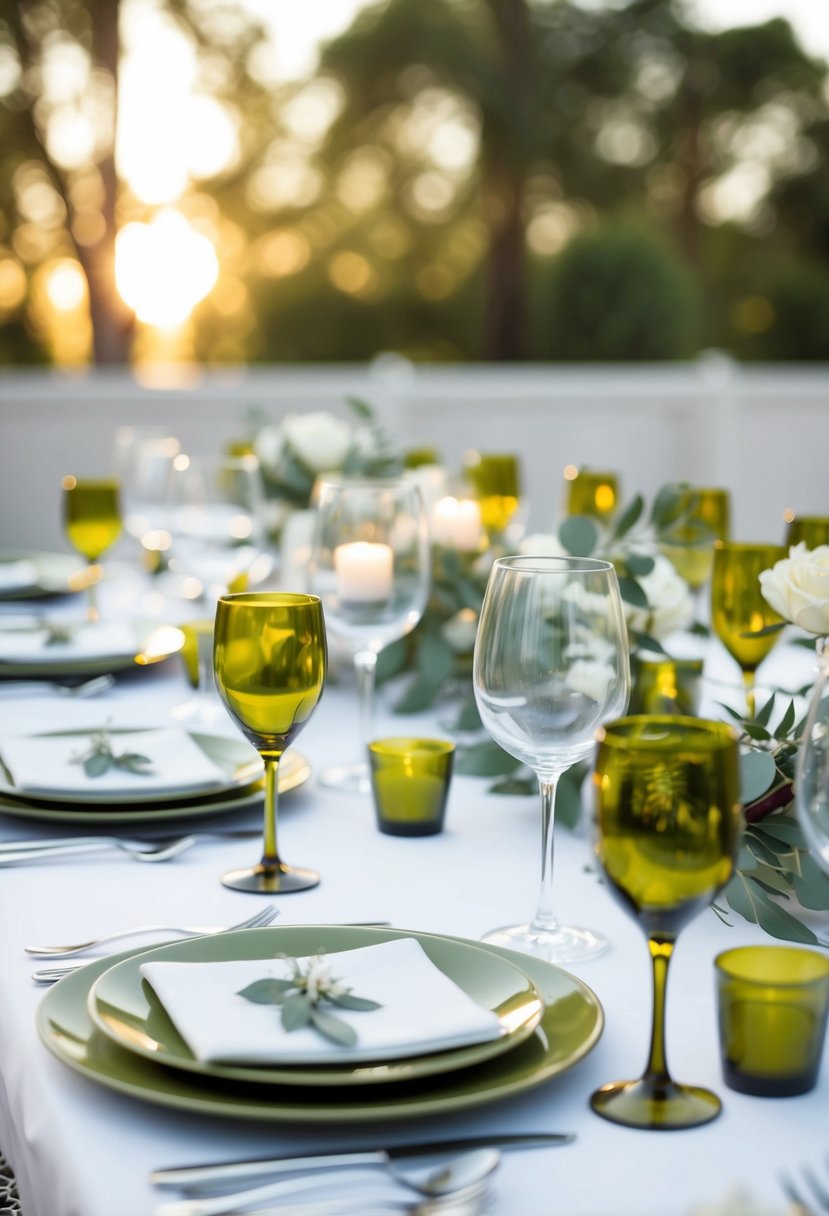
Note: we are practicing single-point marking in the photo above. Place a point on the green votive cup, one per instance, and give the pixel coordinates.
(666, 686)
(410, 781)
(772, 1003)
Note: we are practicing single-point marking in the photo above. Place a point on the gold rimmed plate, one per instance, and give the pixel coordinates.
(294, 771)
(51, 574)
(125, 1008)
(570, 1027)
(153, 643)
(240, 766)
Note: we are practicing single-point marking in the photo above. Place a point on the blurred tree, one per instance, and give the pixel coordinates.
(42, 183)
(620, 294)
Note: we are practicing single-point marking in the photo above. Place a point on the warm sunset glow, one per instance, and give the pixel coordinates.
(66, 286)
(164, 268)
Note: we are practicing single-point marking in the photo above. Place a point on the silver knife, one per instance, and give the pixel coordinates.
(197, 1177)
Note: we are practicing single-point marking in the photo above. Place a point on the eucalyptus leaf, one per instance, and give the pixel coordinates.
(134, 762)
(333, 1028)
(419, 695)
(644, 641)
(756, 732)
(267, 991)
(515, 785)
(783, 828)
(668, 505)
(392, 660)
(435, 659)
(485, 759)
(764, 632)
(629, 516)
(763, 715)
(97, 764)
(296, 1011)
(468, 718)
(758, 772)
(786, 722)
(579, 535)
(639, 564)
(752, 903)
(632, 592)
(568, 795)
(361, 408)
(346, 1000)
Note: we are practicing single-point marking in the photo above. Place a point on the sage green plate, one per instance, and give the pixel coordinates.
(124, 1007)
(240, 765)
(294, 770)
(153, 644)
(54, 573)
(570, 1028)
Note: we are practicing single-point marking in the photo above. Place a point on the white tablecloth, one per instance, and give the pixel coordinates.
(82, 1150)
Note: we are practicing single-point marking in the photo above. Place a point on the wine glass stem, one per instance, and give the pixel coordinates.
(365, 664)
(751, 701)
(92, 612)
(270, 853)
(204, 668)
(661, 948)
(544, 917)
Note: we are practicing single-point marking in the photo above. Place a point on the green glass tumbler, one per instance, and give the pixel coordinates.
(665, 686)
(772, 1003)
(813, 530)
(410, 782)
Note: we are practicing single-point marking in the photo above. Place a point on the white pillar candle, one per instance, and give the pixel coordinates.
(456, 523)
(364, 572)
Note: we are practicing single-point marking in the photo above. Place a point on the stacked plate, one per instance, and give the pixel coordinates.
(35, 646)
(238, 784)
(32, 574)
(106, 1022)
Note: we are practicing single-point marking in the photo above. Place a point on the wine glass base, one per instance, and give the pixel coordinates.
(564, 944)
(655, 1107)
(268, 880)
(347, 778)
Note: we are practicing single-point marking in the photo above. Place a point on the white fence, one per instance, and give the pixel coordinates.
(761, 431)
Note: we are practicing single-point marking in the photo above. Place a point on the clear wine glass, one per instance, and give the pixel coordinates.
(214, 518)
(370, 565)
(270, 659)
(551, 664)
(667, 818)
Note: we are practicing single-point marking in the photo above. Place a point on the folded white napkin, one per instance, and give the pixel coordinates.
(99, 641)
(421, 1008)
(17, 575)
(45, 765)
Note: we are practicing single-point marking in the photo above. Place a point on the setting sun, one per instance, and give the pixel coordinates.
(164, 268)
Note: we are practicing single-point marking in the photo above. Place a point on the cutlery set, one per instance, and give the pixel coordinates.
(17, 852)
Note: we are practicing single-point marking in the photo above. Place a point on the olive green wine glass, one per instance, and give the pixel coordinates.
(667, 819)
(689, 542)
(496, 480)
(269, 658)
(813, 530)
(92, 522)
(739, 613)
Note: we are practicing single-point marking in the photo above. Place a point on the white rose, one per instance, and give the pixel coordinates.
(542, 544)
(592, 678)
(268, 446)
(798, 587)
(460, 631)
(670, 604)
(319, 439)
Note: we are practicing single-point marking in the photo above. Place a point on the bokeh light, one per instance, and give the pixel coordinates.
(164, 268)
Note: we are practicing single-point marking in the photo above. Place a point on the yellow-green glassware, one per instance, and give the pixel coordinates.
(496, 480)
(738, 610)
(772, 1006)
(665, 686)
(689, 544)
(270, 658)
(667, 820)
(92, 522)
(592, 493)
(813, 530)
(415, 458)
(410, 782)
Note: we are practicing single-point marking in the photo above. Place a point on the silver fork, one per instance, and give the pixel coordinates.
(14, 853)
(263, 917)
(87, 688)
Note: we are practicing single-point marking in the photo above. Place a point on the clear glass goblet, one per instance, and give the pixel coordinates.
(551, 664)
(370, 565)
(214, 519)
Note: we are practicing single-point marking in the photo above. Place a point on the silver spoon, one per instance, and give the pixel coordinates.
(138, 851)
(87, 688)
(455, 1176)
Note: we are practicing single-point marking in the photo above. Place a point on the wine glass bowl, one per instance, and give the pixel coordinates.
(92, 522)
(667, 822)
(550, 665)
(739, 613)
(496, 480)
(370, 565)
(270, 658)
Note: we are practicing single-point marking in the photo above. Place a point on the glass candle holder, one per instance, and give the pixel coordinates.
(591, 492)
(665, 686)
(772, 1003)
(410, 782)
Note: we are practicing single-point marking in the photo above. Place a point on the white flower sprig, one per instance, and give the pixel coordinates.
(301, 996)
